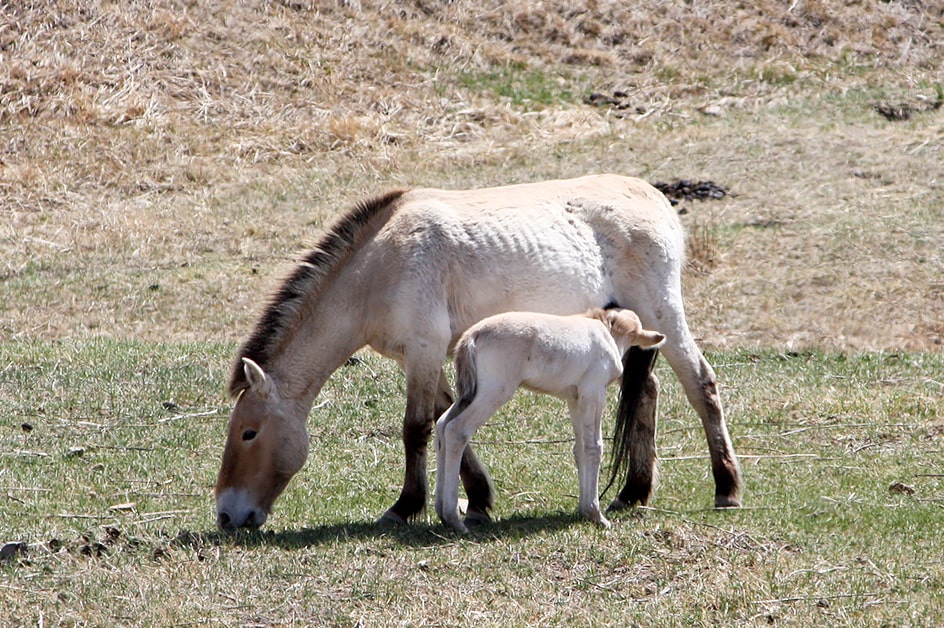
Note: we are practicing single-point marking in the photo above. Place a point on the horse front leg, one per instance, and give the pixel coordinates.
(421, 398)
(427, 397)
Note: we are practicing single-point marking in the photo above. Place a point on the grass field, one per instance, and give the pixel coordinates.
(162, 164)
(110, 490)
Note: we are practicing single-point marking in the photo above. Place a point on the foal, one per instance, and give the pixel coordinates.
(572, 357)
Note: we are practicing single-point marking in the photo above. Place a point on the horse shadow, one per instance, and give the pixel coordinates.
(416, 535)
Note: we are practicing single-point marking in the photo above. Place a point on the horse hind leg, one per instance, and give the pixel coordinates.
(701, 387)
(642, 470)
(657, 300)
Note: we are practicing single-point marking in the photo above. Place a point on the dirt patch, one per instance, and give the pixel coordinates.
(687, 190)
(904, 110)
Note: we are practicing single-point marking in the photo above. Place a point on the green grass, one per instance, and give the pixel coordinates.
(111, 491)
(532, 88)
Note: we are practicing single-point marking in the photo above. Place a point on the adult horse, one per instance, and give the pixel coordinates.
(407, 272)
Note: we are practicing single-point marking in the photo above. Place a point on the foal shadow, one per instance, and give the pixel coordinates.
(416, 535)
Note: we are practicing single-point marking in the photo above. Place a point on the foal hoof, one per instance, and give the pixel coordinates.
(727, 501)
(595, 516)
(599, 520)
(456, 526)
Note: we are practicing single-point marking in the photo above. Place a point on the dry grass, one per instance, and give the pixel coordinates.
(159, 159)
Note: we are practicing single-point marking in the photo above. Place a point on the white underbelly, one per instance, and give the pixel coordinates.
(554, 268)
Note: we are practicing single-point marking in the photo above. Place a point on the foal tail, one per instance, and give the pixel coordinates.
(478, 485)
(466, 375)
(637, 367)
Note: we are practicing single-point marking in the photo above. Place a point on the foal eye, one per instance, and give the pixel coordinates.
(249, 434)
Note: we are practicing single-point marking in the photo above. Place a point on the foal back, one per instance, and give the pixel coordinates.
(544, 353)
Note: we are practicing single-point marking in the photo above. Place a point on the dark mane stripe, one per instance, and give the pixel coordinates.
(305, 283)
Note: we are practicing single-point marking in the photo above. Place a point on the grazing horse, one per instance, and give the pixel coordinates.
(407, 272)
(572, 357)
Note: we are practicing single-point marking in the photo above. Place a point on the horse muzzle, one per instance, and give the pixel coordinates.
(234, 509)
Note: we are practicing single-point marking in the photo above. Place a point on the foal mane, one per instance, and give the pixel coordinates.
(306, 282)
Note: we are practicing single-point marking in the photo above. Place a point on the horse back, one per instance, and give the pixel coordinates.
(553, 246)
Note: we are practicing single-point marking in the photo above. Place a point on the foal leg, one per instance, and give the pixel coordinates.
(450, 444)
(586, 413)
(475, 479)
(426, 392)
(454, 430)
(443, 484)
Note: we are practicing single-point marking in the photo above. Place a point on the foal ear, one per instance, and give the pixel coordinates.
(648, 339)
(623, 322)
(259, 382)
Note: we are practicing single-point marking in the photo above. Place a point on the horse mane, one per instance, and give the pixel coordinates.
(306, 282)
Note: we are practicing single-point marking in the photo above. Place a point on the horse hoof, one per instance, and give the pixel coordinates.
(477, 517)
(726, 501)
(616, 504)
(391, 517)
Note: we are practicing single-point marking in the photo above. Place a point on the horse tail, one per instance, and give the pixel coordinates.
(637, 367)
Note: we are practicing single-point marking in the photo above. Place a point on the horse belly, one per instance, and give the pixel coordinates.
(555, 269)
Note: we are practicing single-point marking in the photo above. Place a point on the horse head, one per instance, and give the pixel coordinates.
(266, 445)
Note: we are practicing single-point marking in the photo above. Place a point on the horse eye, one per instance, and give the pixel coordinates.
(249, 434)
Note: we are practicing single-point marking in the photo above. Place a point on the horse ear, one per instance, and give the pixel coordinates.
(261, 383)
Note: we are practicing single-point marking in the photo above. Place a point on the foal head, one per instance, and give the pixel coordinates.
(627, 329)
(266, 445)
